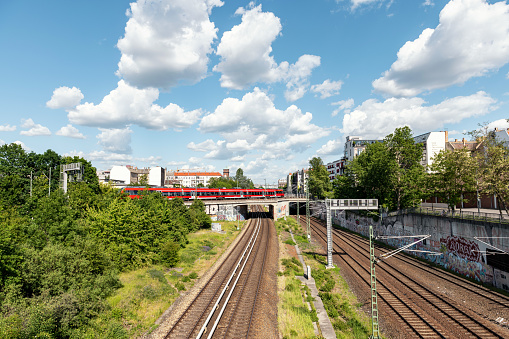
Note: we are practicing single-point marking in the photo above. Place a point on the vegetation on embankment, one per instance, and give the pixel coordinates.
(149, 291)
(295, 318)
(63, 256)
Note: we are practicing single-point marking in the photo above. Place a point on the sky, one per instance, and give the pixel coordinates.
(258, 85)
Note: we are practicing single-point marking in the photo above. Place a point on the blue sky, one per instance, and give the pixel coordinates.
(264, 85)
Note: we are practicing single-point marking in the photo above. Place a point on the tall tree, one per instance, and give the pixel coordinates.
(493, 166)
(319, 184)
(404, 168)
(452, 175)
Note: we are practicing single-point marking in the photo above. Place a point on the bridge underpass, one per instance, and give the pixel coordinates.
(231, 209)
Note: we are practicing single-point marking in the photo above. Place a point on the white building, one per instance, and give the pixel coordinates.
(103, 176)
(354, 146)
(156, 176)
(297, 182)
(432, 144)
(191, 179)
(336, 168)
(126, 175)
(502, 136)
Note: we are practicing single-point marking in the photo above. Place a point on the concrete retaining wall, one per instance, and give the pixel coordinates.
(454, 238)
(226, 212)
(282, 210)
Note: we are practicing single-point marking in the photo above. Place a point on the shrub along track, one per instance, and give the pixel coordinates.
(410, 305)
(238, 299)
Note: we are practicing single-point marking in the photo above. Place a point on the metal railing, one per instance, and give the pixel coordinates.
(457, 214)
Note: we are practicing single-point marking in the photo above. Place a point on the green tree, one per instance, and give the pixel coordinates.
(319, 184)
(493, 166)
(241, 180)
(389, 171)
(143, 180)
(198, 215)
(13, 161)
(221, 182)
(405, 169)
(452, 175)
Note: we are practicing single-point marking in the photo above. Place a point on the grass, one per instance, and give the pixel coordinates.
(148, 292)
(340, 303)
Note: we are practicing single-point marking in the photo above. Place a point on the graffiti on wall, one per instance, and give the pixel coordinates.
(459, 255)
(282, 210)
(462, 247)
(227, 213)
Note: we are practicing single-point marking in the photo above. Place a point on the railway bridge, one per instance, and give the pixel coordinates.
(231, 209)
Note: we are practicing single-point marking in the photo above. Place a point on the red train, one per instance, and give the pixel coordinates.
(206, 193)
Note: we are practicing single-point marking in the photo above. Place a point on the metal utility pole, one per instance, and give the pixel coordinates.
(49, 183)
(298, 212)
(375, 333)
(308, 228)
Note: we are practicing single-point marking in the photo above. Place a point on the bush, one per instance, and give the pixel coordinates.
(180, 286)
(169, 253)
(290, 242)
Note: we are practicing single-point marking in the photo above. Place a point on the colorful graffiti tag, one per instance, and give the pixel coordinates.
(462, 247)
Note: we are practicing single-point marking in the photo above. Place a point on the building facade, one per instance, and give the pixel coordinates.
(190, 179)
(297, 182)
(432, 143)
(336, 168)
(354, 146)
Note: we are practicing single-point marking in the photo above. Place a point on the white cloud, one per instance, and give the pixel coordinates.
(507, 75)
(344, 105)
(7, 128)
(115, 140)
(500, 124)
(33, 128)
(129, 105)
(238, 158)
(176, 163)
(246, 58)
(70, 131)
(109, 158)
(255, 124)
(327, 88)
(151, 160)
(245, 50)
(471, 40)
(22, 144)
(374, 119)
(332, 147)
(65, 97)
(298, 75)
(167, 42)
(428, 3)
(359, 3)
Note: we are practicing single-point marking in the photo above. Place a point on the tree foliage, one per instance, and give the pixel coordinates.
(388, 171)
(239, 180)
(452, 175)
(492, 166)
(60, 254)
(319, 183)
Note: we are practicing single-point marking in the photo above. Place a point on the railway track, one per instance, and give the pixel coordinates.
(417, 310)
(227, 305)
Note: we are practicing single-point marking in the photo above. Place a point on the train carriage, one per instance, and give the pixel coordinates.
(189, 193)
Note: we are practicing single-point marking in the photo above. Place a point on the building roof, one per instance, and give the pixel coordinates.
(196, 174)
(460, 144)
